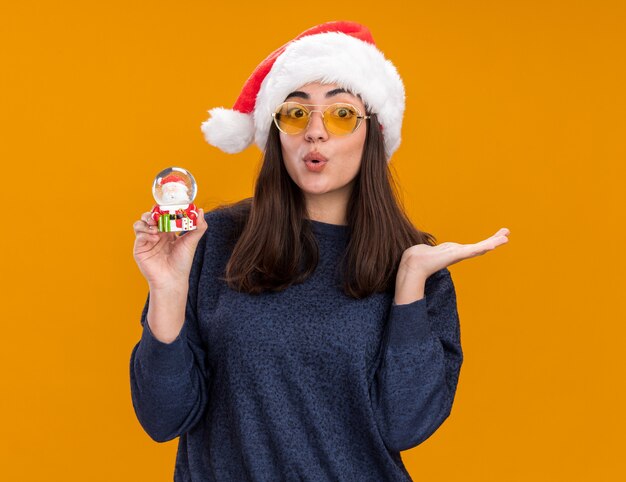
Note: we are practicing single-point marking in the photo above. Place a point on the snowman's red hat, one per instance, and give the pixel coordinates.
(342, 53)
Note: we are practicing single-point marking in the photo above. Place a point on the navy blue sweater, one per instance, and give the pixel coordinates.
(306, 384)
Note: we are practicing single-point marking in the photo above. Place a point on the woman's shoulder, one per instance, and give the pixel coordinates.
(228, 220)
(218, 216)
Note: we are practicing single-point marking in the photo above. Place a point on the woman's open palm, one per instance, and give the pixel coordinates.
(425, 260)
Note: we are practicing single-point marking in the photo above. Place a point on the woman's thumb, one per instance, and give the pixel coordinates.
(194, 236)
(201, 222)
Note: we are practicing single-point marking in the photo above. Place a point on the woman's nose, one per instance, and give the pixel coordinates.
(316, 129)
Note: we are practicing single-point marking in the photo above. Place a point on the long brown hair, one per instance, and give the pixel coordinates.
(275, 246)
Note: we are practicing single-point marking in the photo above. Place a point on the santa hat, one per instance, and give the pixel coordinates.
(171, 178)
(342, 53)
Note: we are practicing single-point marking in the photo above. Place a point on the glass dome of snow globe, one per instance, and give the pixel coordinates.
(174, 186)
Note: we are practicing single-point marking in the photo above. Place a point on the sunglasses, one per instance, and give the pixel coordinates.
(339, 119)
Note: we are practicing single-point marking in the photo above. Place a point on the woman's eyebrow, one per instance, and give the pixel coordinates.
(299, 93)
(304, 95)
(330, 93)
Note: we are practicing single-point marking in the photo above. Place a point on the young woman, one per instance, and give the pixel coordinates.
(310, 332)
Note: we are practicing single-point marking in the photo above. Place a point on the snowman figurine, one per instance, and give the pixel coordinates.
(174, 190)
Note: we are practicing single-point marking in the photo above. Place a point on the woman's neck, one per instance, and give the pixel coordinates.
(334, 214)
(328, 208)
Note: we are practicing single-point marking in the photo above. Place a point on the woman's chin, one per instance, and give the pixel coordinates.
(314, 188)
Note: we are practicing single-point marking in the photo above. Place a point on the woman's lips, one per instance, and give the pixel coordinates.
(315, 155)
(315, 166)
(315, 162)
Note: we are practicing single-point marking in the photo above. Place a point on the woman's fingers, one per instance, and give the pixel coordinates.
(495, 240)
(491, 243)
(146, 224)
(143, 227)
(500, 237)
(501, 232)
(143, 238)
(147, 218)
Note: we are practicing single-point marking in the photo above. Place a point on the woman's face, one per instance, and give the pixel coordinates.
(343, 153)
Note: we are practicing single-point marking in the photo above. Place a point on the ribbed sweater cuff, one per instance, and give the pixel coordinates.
(409, 323)
(164, 359)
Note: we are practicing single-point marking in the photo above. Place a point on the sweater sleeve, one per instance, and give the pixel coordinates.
(419, 363)
(169, 381)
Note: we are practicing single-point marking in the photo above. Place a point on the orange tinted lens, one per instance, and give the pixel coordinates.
(292, 117)
(341, 119)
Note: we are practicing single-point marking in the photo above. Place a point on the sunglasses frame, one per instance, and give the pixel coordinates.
(360, 117)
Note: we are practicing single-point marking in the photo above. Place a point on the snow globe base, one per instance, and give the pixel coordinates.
(172, 223)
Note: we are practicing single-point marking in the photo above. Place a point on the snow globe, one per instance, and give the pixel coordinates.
(174, 190)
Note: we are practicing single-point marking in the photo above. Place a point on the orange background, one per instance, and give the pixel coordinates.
(515, 117)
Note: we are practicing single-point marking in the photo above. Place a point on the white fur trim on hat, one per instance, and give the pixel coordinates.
(230, 130)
